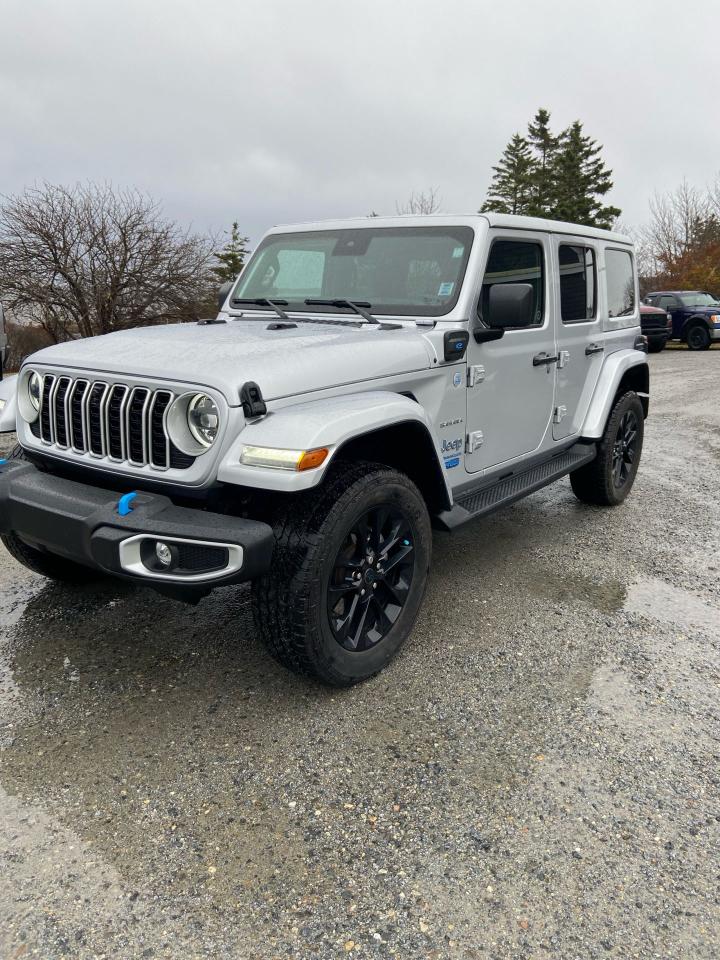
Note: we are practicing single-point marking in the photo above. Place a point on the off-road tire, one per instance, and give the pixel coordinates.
(698, 337)
(594, 483)
(39, 561)
(290, 603)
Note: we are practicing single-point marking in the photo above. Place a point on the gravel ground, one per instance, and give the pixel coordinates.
(536, 776)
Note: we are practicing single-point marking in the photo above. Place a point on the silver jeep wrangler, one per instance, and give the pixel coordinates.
(364, 381)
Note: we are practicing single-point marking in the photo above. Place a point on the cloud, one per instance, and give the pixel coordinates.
(272, 111)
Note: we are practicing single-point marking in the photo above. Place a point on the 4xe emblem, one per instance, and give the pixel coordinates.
(452, 446)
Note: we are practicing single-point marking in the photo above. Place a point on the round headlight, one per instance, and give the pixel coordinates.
(203, 419)
(34, 389)
(29, 395)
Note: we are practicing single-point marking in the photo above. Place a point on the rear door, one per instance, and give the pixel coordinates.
(578, 332)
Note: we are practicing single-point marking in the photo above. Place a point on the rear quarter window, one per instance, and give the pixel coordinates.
(620, 287)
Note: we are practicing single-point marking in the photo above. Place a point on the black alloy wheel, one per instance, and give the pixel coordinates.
(609, 478)
(698, 337)
(371, 578)
(625, 448)
(348, 575)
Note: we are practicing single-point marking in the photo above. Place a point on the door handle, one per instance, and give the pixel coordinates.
(544, 359)
(594, 348)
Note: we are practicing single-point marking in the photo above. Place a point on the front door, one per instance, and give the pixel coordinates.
(579, 334)
(511, 380)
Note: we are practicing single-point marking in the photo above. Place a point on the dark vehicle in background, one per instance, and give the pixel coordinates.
(656, 326)
(695, 315)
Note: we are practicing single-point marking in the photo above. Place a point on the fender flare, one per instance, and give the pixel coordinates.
(331, 423)
(614, 369)
(8, 414)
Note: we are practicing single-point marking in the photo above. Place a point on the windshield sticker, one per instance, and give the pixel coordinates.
(458, 252)
(445, 289)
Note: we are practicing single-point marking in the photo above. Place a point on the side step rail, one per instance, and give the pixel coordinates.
(489, 497)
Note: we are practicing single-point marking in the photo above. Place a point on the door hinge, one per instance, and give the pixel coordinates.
(475, 375)
(563, 358)
(560, 413)
(474, 440)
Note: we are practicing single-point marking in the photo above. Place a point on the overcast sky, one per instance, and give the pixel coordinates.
(273, 111)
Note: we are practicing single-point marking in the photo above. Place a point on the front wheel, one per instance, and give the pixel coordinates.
(608, 479)
(698, 337)
(655, 346)
(348, 574)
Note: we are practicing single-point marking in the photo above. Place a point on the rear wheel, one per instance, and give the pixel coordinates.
(608, 479)
(348, 575)
(698, 337)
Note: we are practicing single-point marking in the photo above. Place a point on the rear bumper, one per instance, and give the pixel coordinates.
(82, 523)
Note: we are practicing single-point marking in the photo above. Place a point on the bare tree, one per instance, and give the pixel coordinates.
(421, 203)
(85, 260)
(675, 219)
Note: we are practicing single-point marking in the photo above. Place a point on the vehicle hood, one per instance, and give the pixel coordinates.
(313, 356)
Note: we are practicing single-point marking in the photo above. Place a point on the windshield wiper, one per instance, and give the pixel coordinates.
(262, 302)
(359, 306)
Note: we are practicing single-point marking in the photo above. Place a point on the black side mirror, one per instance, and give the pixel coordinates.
(223, 292)
(510, 305)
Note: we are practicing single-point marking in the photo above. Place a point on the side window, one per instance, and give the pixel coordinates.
(666, 303)
(577, 283)
(515, 261)
(620, 281)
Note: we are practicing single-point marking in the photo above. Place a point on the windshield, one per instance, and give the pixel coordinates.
(402, 271)
(697, 300)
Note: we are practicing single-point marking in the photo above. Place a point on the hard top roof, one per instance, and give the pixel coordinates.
(502, 220)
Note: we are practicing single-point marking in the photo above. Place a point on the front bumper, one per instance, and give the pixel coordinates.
(715, 331)
(82, 523)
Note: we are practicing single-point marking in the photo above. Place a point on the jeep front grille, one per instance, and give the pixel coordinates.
(125, 424)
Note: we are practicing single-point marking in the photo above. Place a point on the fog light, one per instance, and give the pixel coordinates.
(164, 554)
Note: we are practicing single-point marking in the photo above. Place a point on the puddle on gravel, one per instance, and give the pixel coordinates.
(660, 601)
(605, 595)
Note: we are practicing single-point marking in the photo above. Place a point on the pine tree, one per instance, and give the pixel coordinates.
(545, 146)
(581, 179)
(512, 178)
(231, 259)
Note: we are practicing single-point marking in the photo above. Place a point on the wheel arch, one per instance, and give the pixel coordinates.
(637, 378)
(696, 318)
(408, 447)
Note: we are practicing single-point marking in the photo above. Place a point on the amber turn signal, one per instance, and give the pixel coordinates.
(312, 458)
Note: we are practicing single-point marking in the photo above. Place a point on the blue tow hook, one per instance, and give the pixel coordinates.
(124, 506)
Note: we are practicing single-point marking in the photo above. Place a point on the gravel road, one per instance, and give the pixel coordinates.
(536, 776)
